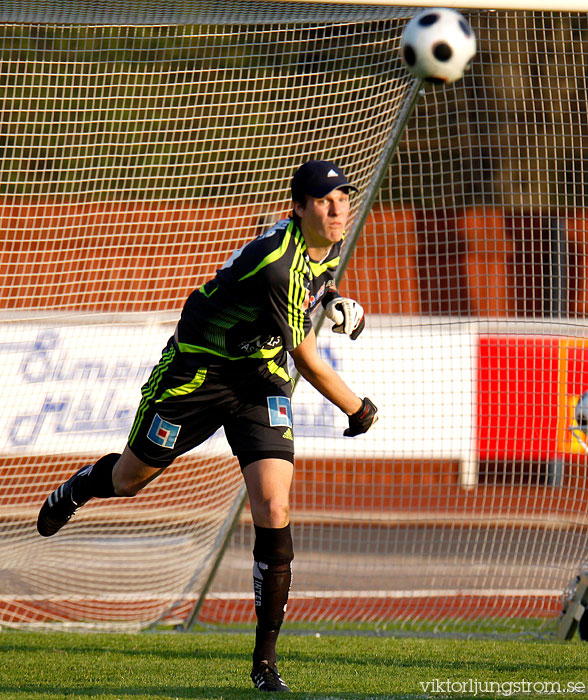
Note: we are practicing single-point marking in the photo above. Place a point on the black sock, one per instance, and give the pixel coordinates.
(271, 585)
(265, 645)
(272, 576)
(95, 480)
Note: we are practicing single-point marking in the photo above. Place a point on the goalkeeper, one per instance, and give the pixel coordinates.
(226, 365)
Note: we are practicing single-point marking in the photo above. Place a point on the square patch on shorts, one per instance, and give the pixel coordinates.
(163, 433)
(279, 410)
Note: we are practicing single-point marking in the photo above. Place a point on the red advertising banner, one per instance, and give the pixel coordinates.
(527, 388)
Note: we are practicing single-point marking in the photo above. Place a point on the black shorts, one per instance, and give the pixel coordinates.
(184, 404)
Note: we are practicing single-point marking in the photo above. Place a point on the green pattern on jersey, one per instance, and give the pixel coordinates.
(275, 368)
(264, 353)
(317, 268)
(274, 255)
(188, 388)
(297, 292)
(149, 390)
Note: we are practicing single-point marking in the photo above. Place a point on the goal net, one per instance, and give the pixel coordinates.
(139, 148)
(470, 519)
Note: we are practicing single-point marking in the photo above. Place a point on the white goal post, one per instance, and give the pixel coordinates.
(139, 146)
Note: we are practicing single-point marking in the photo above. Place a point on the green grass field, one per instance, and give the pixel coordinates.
(52, 666)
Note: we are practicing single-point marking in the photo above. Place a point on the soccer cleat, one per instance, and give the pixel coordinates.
(265, 676)
(58, 508)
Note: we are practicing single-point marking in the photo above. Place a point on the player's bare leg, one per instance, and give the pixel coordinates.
(268, 483)
(112, 475)
(130, 474)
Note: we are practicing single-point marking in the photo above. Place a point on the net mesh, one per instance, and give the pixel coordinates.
(471, 268)
(136, 158)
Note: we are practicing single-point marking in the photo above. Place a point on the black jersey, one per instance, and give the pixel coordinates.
(259, 303)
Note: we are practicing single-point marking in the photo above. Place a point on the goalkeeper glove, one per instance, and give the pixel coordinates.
(361, 421)
(347, 315)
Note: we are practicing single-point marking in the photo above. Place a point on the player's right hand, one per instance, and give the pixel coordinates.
(361, 421)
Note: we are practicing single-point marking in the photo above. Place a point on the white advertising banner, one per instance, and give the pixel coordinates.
(421, 378)
(75, 389)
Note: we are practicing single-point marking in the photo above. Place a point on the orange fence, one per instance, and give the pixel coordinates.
(482, 261)
(114, 256)
(137, 256)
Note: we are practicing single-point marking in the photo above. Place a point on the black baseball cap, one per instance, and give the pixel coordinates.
(317, 178)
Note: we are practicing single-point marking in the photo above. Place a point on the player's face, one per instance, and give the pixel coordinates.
(323, 220)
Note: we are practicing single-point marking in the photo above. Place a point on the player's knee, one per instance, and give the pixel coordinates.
(125, 488)
(273, 513)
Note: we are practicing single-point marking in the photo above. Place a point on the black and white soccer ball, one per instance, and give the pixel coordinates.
(581, 412)
(438, 45)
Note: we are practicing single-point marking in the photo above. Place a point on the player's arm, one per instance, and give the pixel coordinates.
(362, 413)
(346, 314)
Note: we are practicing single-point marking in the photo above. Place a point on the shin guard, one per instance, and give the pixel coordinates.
(272, 575)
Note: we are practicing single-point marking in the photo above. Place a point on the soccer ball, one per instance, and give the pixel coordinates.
(438, 45)
(581, 413)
